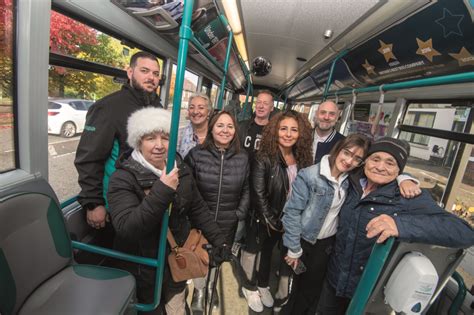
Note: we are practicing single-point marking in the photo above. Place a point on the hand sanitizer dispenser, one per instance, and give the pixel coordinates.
(411, 284)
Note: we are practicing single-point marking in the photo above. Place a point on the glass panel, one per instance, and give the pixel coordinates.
(72, 38)
(73, 91)
(214, 93)
(437, 116)
(7, 120)
(461, 202)
(189, 87)
(432, 168)
(370, 119)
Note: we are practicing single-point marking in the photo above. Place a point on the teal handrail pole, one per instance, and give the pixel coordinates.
(333, 65)
(226, 62)
(114, 254)
(446, 79)
(460, 296)
(372, 271)
(185, 34)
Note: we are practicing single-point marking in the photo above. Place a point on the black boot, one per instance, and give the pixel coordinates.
(197, 303)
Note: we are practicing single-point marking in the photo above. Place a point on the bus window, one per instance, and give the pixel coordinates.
(7, 120)
(431, 159)
(461, 202)
(370, 119)
(214, 93)
(189, 87)
(75, 39)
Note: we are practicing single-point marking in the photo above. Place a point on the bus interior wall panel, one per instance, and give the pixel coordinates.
(435, 41)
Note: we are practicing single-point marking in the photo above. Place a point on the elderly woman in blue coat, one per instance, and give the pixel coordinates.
(373, 211)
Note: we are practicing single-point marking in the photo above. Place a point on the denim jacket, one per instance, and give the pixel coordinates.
(304, 213)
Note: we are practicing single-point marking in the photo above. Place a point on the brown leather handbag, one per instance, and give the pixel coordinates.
(189, 261)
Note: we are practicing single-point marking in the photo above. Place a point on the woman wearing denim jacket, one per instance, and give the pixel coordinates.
(311, 216)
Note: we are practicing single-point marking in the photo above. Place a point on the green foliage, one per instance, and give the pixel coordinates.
(89, 45)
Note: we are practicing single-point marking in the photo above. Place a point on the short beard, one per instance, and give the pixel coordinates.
(324, 129)
(149, 97)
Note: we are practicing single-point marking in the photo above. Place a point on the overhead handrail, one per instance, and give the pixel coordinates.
(376, 120)
(333, 65)
(445, 79)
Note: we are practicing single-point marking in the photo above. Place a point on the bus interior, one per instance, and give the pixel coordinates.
(396, 68)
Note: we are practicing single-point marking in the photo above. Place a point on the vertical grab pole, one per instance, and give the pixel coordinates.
(226, 62)
(185, 33)
(328, 84)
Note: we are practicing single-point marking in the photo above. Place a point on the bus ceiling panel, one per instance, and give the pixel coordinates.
(282, 31)
(433, 42)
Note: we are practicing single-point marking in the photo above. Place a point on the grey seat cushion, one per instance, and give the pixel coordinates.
(83, 289)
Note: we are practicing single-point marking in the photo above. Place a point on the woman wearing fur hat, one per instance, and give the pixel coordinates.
(221, 171)
(140, 192)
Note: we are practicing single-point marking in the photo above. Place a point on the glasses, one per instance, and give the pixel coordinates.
(356, 160)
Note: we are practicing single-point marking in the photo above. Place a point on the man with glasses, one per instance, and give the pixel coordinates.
(105, 133)
(373, 211)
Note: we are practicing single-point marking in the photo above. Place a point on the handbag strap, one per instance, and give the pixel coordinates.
(171, 240)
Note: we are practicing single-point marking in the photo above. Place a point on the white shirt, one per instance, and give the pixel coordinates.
(331, 222)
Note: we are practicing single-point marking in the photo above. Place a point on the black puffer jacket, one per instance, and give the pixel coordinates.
(269, 187)
(222, 179)
(137, 216)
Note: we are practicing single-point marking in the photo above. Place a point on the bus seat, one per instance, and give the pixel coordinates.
(37, 272)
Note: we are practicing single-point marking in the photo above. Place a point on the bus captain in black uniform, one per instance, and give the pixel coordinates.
(105, 133)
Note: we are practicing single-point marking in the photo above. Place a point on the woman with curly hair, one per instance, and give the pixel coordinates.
(285, 148)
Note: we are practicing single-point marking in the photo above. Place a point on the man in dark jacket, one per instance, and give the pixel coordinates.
(250, 131)
(105, 133)
(325, 136)
(373, 211)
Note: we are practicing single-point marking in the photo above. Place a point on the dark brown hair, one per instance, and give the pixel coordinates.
(209, 141)
(354, 140)
(141, 54)
(301, 149)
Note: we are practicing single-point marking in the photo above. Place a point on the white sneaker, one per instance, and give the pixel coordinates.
(266, 296)
(253, 300)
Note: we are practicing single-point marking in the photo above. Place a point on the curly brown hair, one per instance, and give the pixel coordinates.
(301, 149)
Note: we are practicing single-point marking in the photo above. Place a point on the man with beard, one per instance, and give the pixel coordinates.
(325, 136)
(105, 133)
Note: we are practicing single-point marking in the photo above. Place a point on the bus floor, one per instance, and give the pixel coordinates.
(231, 300)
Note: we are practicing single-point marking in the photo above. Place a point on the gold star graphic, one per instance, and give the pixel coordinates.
(464, 57)
(368, 67)
(426, 49)
(386, 51)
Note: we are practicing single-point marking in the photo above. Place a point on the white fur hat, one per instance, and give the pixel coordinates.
(146, 121)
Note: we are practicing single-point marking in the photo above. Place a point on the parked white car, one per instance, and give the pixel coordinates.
(67, 117)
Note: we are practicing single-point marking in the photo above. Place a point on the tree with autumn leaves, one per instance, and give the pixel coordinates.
(72, 38)
(68, 37)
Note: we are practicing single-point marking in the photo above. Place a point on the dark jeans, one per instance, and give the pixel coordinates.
(309, 284)
(330, 303)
